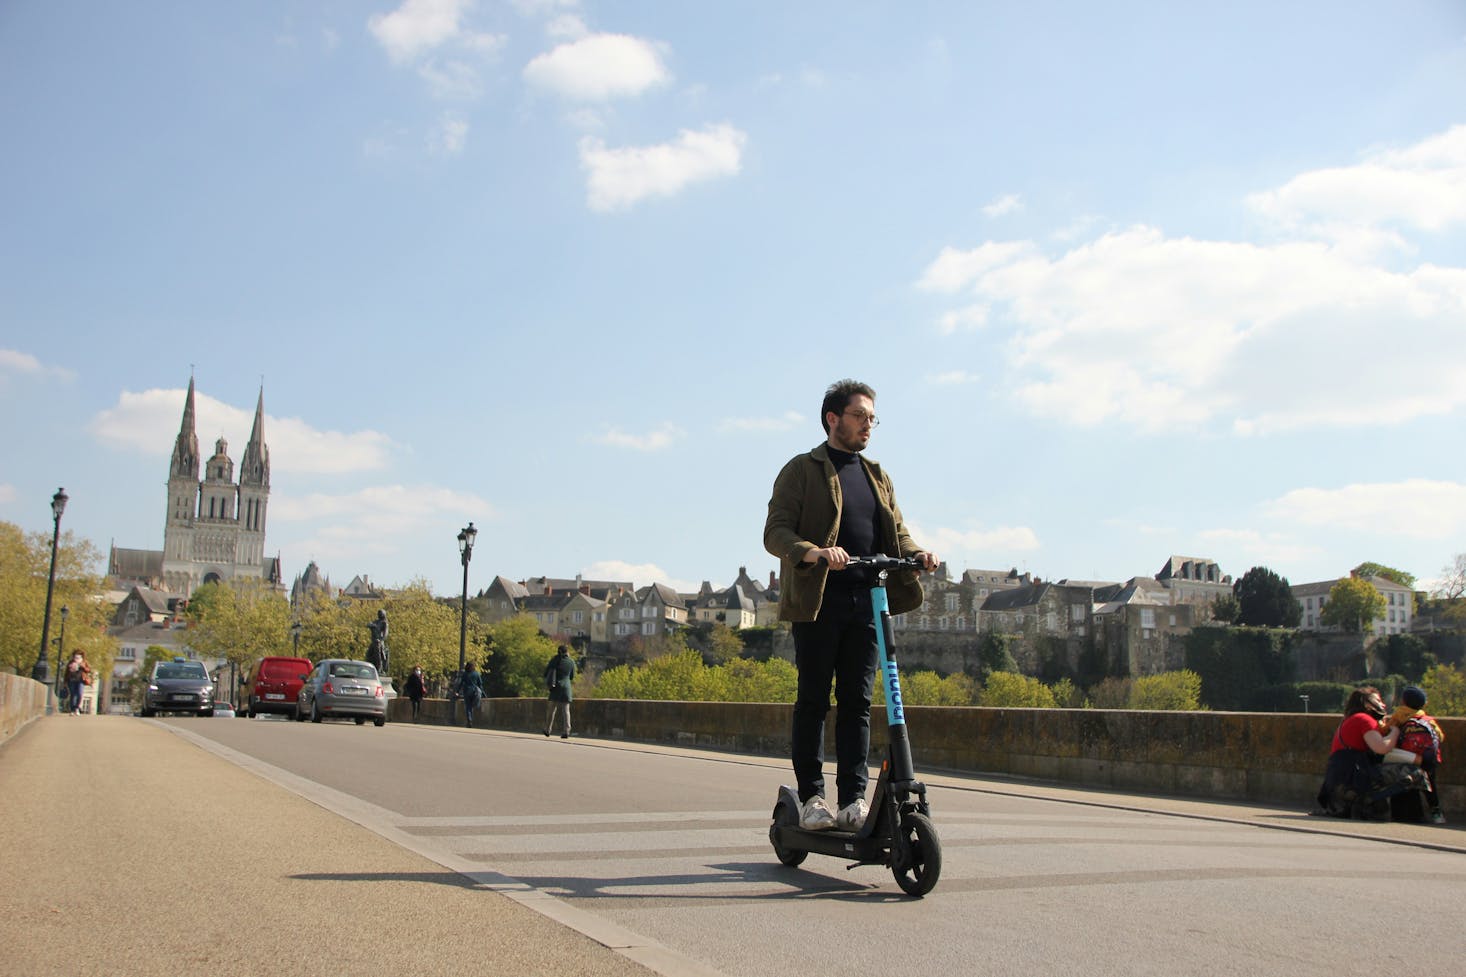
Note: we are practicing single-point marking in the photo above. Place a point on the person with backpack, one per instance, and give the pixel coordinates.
(415, 689)
(77, 675)
(471, 687)
(559, 674)
(1358, 744)
(1419, 745)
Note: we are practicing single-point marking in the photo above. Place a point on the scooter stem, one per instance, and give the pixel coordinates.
(902, 770)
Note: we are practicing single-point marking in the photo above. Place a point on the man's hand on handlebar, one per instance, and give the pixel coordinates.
(836, 558)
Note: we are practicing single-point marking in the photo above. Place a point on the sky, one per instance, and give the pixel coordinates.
(1130, 279)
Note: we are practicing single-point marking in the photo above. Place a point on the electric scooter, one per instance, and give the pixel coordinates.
(898, 833)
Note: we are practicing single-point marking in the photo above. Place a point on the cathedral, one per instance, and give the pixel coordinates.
(215, 529)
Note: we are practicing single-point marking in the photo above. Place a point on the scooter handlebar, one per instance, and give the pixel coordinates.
(881, 561)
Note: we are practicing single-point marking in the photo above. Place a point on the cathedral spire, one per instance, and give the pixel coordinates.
(186, 448)
(254, 469)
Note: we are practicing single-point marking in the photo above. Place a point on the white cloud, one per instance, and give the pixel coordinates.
(656, 440)
(639, 574)
(450, 79)
(450, 135)
(1416, 508)
(16, 362)
(784, 422)
(1162, 333)
(1423, 186)
(618, 178)
(953, 378)
(378, 521)
(417, 26)
(1008, 203)
(7, 493)
(148, 423)
(568, 26)
(1239, 550)
(976, 547)
(599, 67)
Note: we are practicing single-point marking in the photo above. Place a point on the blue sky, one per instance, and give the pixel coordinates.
(1130, 280)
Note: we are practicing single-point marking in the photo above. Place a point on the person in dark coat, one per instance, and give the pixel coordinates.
(471, 687)
(559, 674)
(415, 689)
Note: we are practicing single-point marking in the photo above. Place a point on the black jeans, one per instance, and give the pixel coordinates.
(839, 645)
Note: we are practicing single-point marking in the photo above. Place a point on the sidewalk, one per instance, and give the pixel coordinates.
(127, 851)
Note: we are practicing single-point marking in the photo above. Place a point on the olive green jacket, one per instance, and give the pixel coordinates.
(804, 515)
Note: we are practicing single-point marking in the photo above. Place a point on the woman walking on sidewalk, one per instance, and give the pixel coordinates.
(78, 675)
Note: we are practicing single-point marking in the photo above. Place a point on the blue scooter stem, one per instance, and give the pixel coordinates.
(902, 769)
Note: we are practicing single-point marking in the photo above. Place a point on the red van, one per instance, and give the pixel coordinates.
(274, 685)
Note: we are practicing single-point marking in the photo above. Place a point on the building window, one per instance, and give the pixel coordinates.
(127, 654)
(1147, 618)
(952, 603)
(649, 628)
(579, 617)
(1076, 613)
(648, 611)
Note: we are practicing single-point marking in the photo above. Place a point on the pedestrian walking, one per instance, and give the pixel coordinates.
(415, 689)
(559, 674)
(471, 687)
(78, 675)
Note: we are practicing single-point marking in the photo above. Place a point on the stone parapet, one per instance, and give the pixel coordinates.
(21, 700)
(1275, 758)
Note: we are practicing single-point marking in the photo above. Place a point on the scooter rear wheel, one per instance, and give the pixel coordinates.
(786, 816)
(918, 869)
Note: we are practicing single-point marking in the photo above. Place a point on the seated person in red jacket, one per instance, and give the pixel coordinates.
(1419, 743)
(1358, 743)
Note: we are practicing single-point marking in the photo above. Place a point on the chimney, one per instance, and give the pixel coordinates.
(773, 580)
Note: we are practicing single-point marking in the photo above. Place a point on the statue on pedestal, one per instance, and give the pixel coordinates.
(378, 653)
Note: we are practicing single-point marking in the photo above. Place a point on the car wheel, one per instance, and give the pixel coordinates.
(380, 721)
(360, 720)
(315, 710)
(147, 713)
(299, 713)
(206, 713)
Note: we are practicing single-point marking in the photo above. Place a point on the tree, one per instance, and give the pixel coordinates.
(239, 621)
(1352, 605)
(25, 565)
(1407, 655)
(1011, 690)
(1400, 577)
(930, 689)
(1112, 693)
(993, 655)
(1225, 608)
(1445, 690)
(1168, 691)
(518, 654)
(1265, 600)
(1452, 589)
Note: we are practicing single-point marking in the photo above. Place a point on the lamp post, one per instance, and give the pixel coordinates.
(295, 634)
(42, 672)
(1305, 704)
(465, 551)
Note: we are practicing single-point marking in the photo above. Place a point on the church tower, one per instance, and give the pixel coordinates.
(215, 528)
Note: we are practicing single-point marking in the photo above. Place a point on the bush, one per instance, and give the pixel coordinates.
(1011, 690)
(1445, 690)
(1166, 692)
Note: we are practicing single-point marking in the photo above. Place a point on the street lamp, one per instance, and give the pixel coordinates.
(295, 634)
(465, 551)
(42, 672)
(1305, 704)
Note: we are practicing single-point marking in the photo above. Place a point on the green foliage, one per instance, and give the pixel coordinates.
(1326, 697)
(239, 621)
(1265, 600)
(1111, 693)
(1225, 609)
(1236, 662)
(1067, 695)
(1406, 654)
(930, 689)
(993, 655)
(518, 654)
(1400, 577)
(25, 565)
(1352, 605)
(775, 680)
(1445, 690)
(1014, 691)
(1166, 692)
(678, 676)
(717, 642)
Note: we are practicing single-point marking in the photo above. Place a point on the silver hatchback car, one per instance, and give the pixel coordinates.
(344, 689)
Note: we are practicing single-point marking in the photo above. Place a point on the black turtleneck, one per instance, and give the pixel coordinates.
(857, 509)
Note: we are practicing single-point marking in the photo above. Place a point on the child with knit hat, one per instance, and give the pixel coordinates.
(1419, 742)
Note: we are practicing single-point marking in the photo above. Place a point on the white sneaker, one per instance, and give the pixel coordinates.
(816, 815)
(852, 816)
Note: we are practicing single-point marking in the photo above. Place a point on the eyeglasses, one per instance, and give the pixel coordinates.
(861, 417)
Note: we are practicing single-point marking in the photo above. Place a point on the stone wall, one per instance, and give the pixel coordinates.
(1274, 758)
(21, 700)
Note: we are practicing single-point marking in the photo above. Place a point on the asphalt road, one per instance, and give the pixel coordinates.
(664, 853)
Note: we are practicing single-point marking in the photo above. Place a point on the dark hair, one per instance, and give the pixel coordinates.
(562, 650)
(837, 398)
(1413, 696)
(1358, 701)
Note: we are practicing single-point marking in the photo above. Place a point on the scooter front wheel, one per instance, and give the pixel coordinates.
(917, 861)
(785, 816)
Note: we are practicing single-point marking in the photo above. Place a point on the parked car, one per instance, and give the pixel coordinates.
(342, 688)
(274, 685)
(179, 686)
(224, 710)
